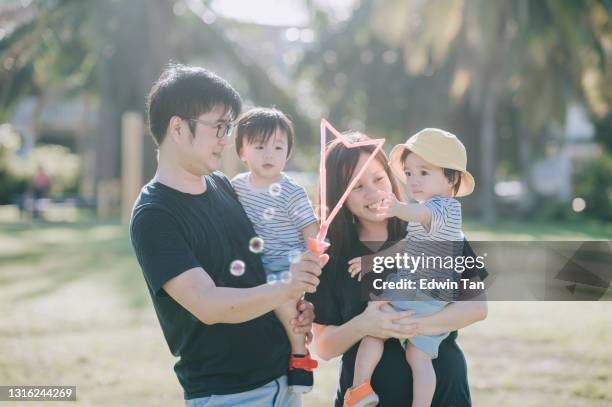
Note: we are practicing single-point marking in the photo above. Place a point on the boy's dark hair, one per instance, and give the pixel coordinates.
(187, 92)
(259, 124)
(451, 175)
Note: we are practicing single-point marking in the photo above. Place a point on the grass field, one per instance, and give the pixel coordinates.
(75, 311)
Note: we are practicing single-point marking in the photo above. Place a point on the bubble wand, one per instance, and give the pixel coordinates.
(318, 245)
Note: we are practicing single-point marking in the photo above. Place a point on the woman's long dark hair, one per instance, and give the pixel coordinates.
(340, 163)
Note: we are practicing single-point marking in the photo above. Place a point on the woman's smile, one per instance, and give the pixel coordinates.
(374, 205)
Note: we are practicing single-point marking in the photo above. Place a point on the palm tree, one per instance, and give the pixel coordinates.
(489, 59)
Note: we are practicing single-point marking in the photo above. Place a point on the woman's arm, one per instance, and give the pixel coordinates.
(332, 341)
(455, 316)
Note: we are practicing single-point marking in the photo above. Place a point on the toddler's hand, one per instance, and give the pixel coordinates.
(355, 268)
(389, 205)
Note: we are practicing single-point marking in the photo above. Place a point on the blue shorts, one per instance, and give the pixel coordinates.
(423, 305)
(276, 264)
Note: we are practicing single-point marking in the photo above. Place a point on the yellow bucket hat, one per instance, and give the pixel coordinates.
(437, 147)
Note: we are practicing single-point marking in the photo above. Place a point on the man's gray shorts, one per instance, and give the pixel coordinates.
(273, 394)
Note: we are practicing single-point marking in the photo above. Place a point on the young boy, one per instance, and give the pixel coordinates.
(432, 163)
(281, 214)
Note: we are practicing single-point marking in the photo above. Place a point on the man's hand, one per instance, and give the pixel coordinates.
(302, 324)
(304, 275)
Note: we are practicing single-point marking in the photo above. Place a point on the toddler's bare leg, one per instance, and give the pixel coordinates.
(369, 354)
(423, 376)
(285, 313)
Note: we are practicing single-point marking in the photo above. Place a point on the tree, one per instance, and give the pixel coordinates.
(114, 50)
(466, 64)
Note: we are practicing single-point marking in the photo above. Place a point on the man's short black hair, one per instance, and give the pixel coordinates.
(260, 123)
(188, 92)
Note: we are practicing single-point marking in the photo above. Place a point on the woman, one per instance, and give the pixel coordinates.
(344, 317)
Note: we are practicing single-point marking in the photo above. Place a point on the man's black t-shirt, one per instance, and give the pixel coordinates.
(339, 298)
(173, 232)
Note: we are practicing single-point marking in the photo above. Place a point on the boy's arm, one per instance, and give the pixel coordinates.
(301, 213)
(310, 231)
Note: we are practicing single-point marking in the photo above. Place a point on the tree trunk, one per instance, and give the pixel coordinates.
(525, 150)
(488, 154)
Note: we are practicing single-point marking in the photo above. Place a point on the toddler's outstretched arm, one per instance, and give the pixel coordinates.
(410, 212)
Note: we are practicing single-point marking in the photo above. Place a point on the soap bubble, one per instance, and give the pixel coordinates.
(578, 204)
(237, 268)
(271, 278)
(256, 244)
(295, 256)
(284, 276)
(268, 213)
(275, 189)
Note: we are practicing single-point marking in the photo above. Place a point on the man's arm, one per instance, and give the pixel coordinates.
(168, 264)
(197, 293)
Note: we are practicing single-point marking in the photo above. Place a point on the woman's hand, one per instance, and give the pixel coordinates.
(379, 321)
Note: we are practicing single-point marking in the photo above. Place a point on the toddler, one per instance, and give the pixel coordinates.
(432, 164)
(281, 214)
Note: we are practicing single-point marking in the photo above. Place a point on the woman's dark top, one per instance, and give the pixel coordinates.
(339, 298)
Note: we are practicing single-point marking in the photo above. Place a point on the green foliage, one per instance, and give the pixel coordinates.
(10, 184)
(51, 48)
(61, 165)
(17, 173)
(594, 185)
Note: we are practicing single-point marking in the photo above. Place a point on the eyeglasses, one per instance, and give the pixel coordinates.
(223, 129)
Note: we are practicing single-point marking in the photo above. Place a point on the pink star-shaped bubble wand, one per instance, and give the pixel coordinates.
(319, 245)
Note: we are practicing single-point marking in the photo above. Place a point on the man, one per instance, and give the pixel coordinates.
(191, 237)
